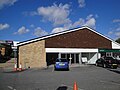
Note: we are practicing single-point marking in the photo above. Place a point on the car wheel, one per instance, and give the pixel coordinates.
(104, 65)
(68, 69)
(54, 69)
(115, 68)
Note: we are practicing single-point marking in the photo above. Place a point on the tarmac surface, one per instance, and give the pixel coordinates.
(88, 77)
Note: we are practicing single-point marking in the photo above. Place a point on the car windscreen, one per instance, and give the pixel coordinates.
(61, 60)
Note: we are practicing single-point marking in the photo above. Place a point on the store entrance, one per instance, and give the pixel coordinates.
(72, 57)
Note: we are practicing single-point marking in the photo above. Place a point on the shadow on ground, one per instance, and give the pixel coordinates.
(10, 71)
(62, 88)
(114, 70)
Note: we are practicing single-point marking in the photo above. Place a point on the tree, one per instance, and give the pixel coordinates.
(118, 40)
(5, 55)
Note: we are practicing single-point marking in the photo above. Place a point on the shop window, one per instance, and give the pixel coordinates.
(109, 54)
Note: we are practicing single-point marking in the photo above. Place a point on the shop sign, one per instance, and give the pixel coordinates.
(109, 50)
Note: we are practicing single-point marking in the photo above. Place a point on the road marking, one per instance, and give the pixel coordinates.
(111, 82)
(52, 69)
(11, 88)
(71, 86)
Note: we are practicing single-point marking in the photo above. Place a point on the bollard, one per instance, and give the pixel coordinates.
(15, 67)
(20, 67)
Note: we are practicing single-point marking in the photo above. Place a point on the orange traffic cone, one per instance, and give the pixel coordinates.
(75, 87)
(15, 67)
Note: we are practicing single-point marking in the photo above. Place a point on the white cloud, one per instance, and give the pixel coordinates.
(4, 3)
(114, 33)
(81, 3)
(58, 29)
(115, 30)
(4, 26)
(110, 32)
(22, 30)
(80, 22)
(58, 15)
(116, 20)
(39, 32)
(89, 17)
(118, 29)
(117, 34)
(90, 21)
(32, 25)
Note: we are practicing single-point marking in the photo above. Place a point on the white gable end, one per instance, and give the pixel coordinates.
(115, 45)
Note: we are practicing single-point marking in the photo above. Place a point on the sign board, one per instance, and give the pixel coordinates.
(109, 50)
(84, 59)
(8, 42)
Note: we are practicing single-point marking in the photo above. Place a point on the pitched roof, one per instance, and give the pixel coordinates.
(60, 33)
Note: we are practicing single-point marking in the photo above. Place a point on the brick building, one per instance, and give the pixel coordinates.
(80, 45)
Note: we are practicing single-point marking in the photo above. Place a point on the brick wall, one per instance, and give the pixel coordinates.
(83, 38)
(33, 55)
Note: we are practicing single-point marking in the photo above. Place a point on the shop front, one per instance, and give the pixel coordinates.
(75, 56)
(110, 53)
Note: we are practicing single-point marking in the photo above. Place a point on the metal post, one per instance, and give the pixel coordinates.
(80, 58)
(15, 55)
(74, 58)
(70, 59)
(59, 55)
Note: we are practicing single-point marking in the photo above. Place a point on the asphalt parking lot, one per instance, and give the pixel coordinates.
(87, 78)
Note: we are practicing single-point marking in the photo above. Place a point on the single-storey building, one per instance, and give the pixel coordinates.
(79, 45)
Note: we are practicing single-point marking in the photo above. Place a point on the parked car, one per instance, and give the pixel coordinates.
(61, 63)
(118, 62)
(107, 62)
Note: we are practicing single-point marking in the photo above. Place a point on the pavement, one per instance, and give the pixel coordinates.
(11, 69)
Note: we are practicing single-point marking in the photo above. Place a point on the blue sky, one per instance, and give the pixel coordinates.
(22, 20)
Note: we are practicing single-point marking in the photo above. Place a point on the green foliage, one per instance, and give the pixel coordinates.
(118, 40)
(8, 52)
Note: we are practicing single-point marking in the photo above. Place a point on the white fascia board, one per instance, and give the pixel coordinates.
(115, 45)
(69, 50)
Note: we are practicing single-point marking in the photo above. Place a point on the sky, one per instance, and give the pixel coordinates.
(22, 20)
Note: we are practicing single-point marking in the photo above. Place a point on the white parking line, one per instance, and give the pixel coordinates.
(110, 82)
(10, 87)
(53, 69)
